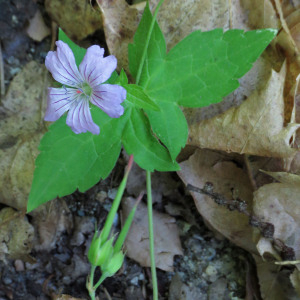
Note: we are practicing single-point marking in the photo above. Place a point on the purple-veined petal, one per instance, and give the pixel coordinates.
(80, 119)
(109, 98)
(58, 102)
(94, 68)
(61, 64)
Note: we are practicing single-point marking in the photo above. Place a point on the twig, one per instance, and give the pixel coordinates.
(107, 294)
(266, 229)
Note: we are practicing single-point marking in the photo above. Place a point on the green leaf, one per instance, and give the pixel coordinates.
(198, 71)
(137, 97)
(113, 79)
(138, 140)
(122, 79)
(78, 51)
(170, 126)
(155, 52)
(205, 66)
(69, 161)
(201, 69)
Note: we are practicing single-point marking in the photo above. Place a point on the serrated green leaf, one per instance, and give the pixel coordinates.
(137, 97)
(201, 69)
(198, 71)
(155, 52)
(170, 126)
(138, 140)
(78, 51)
(204, 67)
(122, 79)
(69, 161)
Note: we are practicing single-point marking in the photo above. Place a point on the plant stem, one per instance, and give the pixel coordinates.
(151, 236)
(102, 278)
(139, 72)
(90, 283)
(116, 203)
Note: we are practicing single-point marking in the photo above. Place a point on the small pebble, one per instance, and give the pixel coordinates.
(211, 271)
(80, 213)
(101, 196)
(112, 193)
(6, 280)
(19, 265)
(134, 281)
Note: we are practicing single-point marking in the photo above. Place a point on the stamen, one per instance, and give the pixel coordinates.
(79, 91)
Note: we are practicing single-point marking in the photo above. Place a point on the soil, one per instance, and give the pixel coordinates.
(210, 268)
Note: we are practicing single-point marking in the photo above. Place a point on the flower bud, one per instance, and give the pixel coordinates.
(113, 265)
(100, 252)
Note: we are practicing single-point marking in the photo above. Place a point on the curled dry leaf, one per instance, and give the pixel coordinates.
(50, 221)
(179, 18)
(255, 127)
(227, 178)
(120, 21)
(278, 204)
(295, 279)
(176, 18)
(166, 237)
(16, 235)
(289, 39)
(261, 14)
(284, 177)
(274, 281)
(21, 130)
(76, 17)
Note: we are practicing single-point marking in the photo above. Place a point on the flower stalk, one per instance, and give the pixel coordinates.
(103, 252)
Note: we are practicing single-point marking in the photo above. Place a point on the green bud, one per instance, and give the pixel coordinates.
(100, 252)
(113, 265)
(94, 247)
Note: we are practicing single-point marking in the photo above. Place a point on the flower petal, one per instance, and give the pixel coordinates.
(58, 102)
(62, 65)
(80, 118)
(109, 98)
(94, 68)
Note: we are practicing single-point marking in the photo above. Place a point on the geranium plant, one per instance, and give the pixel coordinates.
(106, 113)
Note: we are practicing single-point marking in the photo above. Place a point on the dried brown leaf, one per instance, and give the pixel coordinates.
(21, 129)
(278, 204)
(208, 166)
(255, 127)
(120, 21)
(284, 177)
(261, 14)
(274, 281)
(16, 235)
(176, 18)
(166, 237)
(295, 279)
(76, 17)
(50, 221)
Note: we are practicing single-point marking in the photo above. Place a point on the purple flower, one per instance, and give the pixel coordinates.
(84, 86)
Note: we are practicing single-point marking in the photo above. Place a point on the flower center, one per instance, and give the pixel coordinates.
(86, 89)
